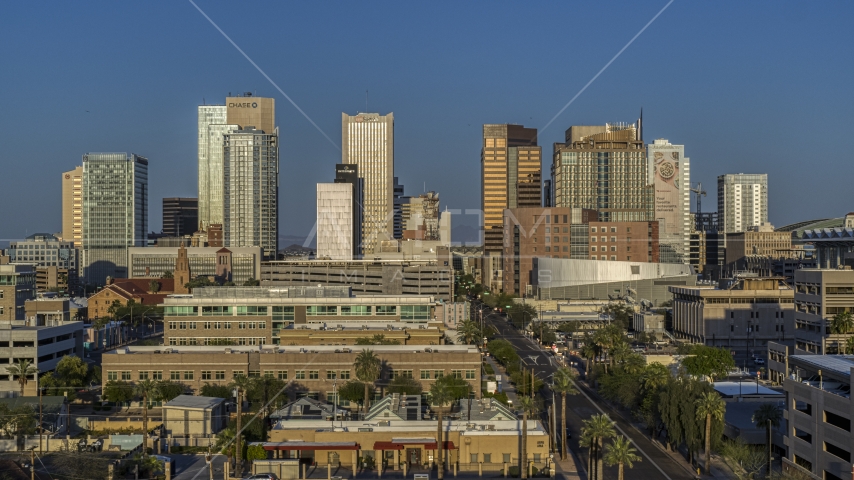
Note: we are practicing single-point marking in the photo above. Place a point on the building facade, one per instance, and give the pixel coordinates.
(817, 418)
(180, 216)
(241, 263)
(392, 277)
(834, 247)
(335, 221)
(742, 201)
(743, 319)
(72, 206)
(367, 140)
(511, 177)
(251, 190)
(604, 168)
(56, 260)
(115, 213)
(670, 174)
(561, 232)
(820, 295)
(350, 174)
(17, 285)
(260, 315)
(311, 371)
(45, 346)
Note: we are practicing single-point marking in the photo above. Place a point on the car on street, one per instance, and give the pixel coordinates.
(263, 476)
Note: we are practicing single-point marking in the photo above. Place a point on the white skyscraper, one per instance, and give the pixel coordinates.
(367, 140)
(742, 201)
(212, 125)
(669, 173)
(335, 221)
(115, 213)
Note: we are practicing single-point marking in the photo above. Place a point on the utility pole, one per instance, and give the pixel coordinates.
(33, 463)
(41, 419)
(237, 452)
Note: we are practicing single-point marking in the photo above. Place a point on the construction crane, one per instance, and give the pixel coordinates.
(700, 193)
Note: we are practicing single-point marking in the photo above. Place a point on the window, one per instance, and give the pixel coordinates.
(251, 310)
(175, 375)
(331, 374)
(321, 310)
(593, 239)
(207, 375)
(593, 229)
(613, 248)
(386, 310)
(175, 311)
(438, 374)
(143, 375)
(157, 375)
(487, 457)
(254, 373)
(283, 313)
(216, 311)
(425, 374)
(457, 373)
(414, 312)
(112, 376)
(313, 374)
(300, 375)
(506, 457)
(613, 230)
(236, 373)
(188, 375)
(219, 375)
(355, 310)
(126, 375)
(344, 374)
(470, 374)
(604, 239)
(473, 458)
(593, 248)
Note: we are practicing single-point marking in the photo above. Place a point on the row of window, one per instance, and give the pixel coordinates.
(216, 325)
(184, 341)
(407, 312)
(184, 375)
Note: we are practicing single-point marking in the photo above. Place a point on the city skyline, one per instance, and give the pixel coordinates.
(706, 107)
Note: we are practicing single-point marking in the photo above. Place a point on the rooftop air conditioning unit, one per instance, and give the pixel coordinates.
(385, 423)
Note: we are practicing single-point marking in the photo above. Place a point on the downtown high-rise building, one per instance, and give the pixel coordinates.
(72, 206)
(742, 201)
(367, 140)
(180, 216)
(670, 176)
(604, 168)
(511, 177)
(250, 190)
(115, 213)
(335, 221)
(232, 129)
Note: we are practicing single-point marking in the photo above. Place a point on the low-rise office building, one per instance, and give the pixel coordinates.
(650, 322)
(390, 277)
(43, 345)
(56, 261)
(241, 263)
(743, 318)
(818, 416)
(263, 315)
(145, 292)
(190, 415)
(821, 294)
(311, 370)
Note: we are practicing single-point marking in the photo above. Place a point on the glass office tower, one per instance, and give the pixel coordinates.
(115, 213)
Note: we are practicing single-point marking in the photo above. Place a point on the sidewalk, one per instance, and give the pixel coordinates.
(506, 387)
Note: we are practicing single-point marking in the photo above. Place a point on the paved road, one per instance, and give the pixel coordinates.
(194, 467)
(655, 464)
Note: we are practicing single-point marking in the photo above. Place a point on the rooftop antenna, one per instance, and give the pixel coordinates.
(700, 193)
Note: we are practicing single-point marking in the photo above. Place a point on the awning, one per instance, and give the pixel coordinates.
(303, 446)
(401, 444)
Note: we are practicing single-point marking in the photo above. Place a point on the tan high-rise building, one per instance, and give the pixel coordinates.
(604, 168)
(367, 140)
(72, 206)
(511, 171)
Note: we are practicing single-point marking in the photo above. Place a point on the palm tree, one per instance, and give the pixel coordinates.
(564, 384)
(634, 364)
(654, 375)
(368, 368)
(242, 384)
(595, 430)
(842, 322)
(766, 416)
(443, 392)
(588, 351)
(529, 407)
(849, 345)
(710, 406)
(621, 453)
(148, 390)
(468, 332)
(23, 369)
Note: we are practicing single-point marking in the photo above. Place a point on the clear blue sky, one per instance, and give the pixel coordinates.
(745, 86)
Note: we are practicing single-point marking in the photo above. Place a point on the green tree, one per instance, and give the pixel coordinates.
(147, 390)
(217, 391)
(443, 392)
(255, 452)
(147, 465)
(505, 353)
(251, 282)
(167, 390)
(710, 406)
(744, 460)
(368, 368)
(620, 313)
(378, 339)
(167, 274)
(766, 416)
(589, 351)
(469, 333)
(70, 375)
(594, 432)
(842, 323)
(621, 453)
(564, 384)
(352, 391)
(22, 369)
(519, 313)
(118, 391)
(17, 421)
(849, 345)
(709, 362)
(405, 386)
(153, 286)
